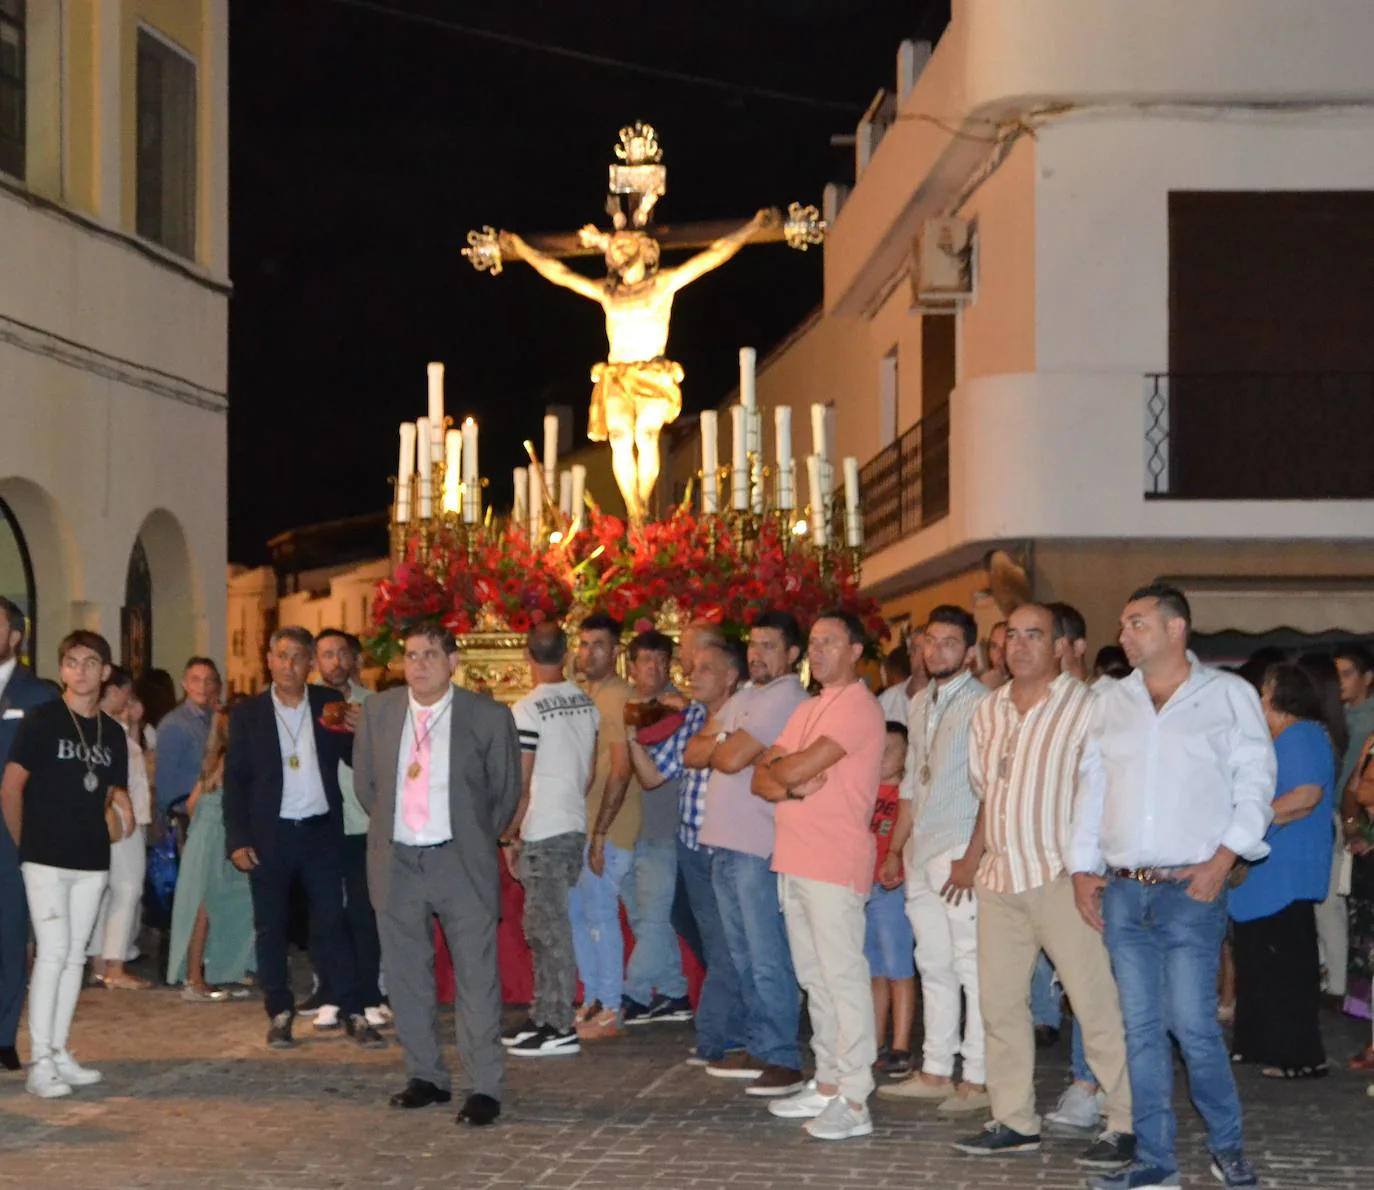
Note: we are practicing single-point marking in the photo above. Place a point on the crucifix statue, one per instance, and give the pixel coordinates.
(636, 391)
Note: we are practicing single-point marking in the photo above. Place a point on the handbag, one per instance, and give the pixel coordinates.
(1364, 778)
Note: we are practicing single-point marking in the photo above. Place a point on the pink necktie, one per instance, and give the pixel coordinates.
(415, 797)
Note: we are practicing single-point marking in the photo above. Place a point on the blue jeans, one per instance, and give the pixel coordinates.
(594, 905)
(1045, 1009)
(1166, 949)
(656, 961)
(1082, 1072)
(720, 1010)
(747, 894)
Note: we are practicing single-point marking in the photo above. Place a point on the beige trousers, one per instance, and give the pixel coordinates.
(1012, 929)
(825, 930)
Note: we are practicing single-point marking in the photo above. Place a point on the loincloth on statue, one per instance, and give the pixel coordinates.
(620, 392)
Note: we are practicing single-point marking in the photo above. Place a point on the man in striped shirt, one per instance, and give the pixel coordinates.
(1025, 745)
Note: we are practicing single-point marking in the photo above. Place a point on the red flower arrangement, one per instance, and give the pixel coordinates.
(693, 563)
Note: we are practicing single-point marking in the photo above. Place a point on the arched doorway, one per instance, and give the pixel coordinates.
(163, 605)
(16, 575)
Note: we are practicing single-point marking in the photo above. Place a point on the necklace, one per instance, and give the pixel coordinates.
(90, 782)
(293, 759)
(927, 772)
(414, 770)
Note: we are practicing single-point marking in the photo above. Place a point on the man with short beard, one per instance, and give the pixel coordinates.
(937, 836)
(336, 661)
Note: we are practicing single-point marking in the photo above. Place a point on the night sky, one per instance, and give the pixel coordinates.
(364, 146)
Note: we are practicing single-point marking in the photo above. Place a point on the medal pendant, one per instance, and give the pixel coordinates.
(1004, 768)
(414, 771)
(90, 781)
(293, 761)
(925, 774)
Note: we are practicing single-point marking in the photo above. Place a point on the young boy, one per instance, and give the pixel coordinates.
(888, 941)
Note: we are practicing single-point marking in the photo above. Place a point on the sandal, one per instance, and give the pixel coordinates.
(126, 983)
(898, 1064)
(1321, 1070)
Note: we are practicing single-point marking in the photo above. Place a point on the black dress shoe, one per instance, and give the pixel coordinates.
(279, 1035)
(9, 1058)
(419, 1093)
(479, 1111)
(364, 1034)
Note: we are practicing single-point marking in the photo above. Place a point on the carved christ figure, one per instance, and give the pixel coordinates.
(636, 392)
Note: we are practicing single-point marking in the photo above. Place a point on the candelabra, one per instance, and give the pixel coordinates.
(443, 522)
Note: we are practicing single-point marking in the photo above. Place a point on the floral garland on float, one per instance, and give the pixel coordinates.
(489, 579)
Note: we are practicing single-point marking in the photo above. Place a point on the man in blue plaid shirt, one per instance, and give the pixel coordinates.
(719, 668)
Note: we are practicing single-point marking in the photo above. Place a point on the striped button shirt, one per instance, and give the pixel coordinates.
(943, 807)
(1024, 768)
(668, 758)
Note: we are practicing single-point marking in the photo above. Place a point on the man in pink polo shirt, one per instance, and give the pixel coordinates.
(823, 773)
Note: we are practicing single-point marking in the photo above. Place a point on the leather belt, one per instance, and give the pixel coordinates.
(1147, 875)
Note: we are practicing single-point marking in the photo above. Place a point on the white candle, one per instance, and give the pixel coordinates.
(536, 503)
(519, 508)
(472, 484)
(434, 373)
(453, 475)
(818, 435)
(747, 396)
(782, 426)
(739, 458)
(405, 468)
(854, 526)
(710, 462)
(565, 494)
(424, 466)
(579, 492)
(550, 448)
(820, 530)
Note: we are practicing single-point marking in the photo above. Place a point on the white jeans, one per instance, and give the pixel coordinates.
(825, 930)
(947, 958)
(63, 904)
(120, 916)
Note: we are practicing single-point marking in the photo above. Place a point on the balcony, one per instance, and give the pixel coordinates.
(906, 485)
(1258, 436)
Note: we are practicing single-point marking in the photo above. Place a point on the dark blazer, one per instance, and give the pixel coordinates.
(483, 789)
(253, 770)
(23, 692)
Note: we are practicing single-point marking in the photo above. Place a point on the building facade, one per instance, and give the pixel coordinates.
(113, 322)
(1099, 299)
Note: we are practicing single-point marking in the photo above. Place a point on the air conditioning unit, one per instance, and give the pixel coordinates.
(942, 263)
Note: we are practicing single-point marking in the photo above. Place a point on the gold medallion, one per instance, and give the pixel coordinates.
(414, 771)
(925, 774)
(293, 761)
(1004, 768)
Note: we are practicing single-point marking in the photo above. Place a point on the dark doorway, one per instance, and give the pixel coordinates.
(136, 617)
(16, 577)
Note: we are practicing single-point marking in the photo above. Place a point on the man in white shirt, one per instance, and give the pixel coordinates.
(437, 770)
(936, 833)
(1176, 782)
(557, 722)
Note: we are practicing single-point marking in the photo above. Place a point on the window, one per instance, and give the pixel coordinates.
(887, 399)
(166, 150)
(12, 114)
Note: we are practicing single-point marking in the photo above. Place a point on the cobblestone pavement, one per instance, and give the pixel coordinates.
(193, 1099)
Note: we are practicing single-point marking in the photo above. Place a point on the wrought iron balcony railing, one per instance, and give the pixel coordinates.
(1258, 436)
(905, 486)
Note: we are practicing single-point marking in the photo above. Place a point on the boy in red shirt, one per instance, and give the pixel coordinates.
(888, 942)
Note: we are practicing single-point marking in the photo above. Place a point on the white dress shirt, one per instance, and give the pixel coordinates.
(896, 704)
(1167, 788)
(302, 788)
(7, 669)
(438, 826)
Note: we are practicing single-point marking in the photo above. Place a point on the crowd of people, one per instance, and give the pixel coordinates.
(1002, 830)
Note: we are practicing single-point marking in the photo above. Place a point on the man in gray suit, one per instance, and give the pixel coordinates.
(438, 770)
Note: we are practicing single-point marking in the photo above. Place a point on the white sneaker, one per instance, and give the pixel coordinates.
(378, 1016)
(805, 1104)
(327, 1017)
(1079, 1109)
(45, 1082)
(71, 1072)
(839, 1120)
